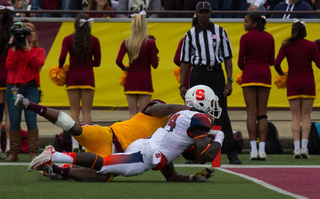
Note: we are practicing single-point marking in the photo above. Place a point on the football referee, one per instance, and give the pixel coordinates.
(206, 46)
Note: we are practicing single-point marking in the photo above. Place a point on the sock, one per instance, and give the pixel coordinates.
(41, 110)
(75, 144)
(304, 143)
(262, 147)
(253, 145)
(64, 157)
(63, 171)
(66, 166)
(8, 144)
(296, 145)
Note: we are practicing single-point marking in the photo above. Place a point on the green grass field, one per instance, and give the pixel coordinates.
(16, 182)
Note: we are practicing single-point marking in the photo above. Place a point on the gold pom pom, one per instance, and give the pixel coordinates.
(239, 78)
(176, 73)
(123, 77)
(58, 75)
(281, 80)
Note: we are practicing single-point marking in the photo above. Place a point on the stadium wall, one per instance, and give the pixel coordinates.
(168, 32)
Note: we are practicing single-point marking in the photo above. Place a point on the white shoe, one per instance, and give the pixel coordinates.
(296, 154)
(43, 159)
(253, 155)
(1, 154)
(262, 155)
(305, 153)
(4, 154)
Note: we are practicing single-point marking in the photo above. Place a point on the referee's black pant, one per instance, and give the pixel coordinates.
(216, 81)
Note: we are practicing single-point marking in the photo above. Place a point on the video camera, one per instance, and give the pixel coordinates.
(19, 33)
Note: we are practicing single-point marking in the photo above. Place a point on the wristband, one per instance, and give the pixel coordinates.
(181, 86)
(219, 137)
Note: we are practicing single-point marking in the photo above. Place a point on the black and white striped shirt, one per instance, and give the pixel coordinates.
(206, 47)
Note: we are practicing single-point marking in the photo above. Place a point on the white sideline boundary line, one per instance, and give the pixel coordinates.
(13, 164)
(264, 184)
(198, 165)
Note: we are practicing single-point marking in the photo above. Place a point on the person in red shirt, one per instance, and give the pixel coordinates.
(142, 52)
(85, 53)
(24, 64)
(301, 89)
(256, 55)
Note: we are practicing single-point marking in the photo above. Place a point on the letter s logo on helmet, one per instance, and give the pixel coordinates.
(202, 97)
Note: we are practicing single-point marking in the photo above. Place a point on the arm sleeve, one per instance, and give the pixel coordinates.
(200, 121)
(121, 54)
(154, 54)
(271, 54)
(281, 55)
(316, 55)
(242, 53)
(63, 53)
(97, 53)
(12, 59)
(36, 57)
(176, 59)
(185, 50)
(226, 45)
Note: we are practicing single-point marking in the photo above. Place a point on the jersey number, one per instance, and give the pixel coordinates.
(172, 121)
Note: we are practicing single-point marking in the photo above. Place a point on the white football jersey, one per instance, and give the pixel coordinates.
(173, 139)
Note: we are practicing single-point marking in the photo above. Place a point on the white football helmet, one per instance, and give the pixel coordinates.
(202, 97)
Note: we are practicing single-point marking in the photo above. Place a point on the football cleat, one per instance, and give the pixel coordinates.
(21, 101)
(43, 159)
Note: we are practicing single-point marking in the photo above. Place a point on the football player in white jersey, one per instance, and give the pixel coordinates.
(184, 129)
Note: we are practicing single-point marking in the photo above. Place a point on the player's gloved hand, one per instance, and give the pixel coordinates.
(203, 175)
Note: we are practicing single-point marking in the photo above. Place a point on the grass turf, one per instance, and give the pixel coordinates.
(16, 182)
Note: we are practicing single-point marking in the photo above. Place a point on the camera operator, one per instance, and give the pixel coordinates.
(24, 64)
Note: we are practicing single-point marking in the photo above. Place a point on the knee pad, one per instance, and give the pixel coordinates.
(262, 117)
(65, 121)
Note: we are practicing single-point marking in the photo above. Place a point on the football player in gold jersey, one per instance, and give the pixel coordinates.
(101, 140)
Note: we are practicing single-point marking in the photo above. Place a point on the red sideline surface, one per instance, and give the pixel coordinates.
(300, 181)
